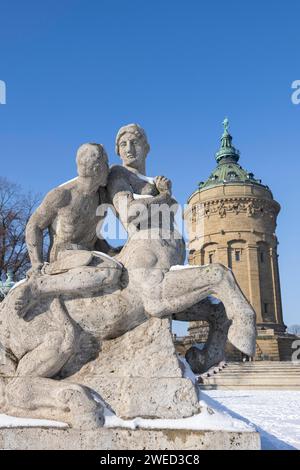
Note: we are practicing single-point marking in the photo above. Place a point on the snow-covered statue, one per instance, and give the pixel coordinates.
(67, 331)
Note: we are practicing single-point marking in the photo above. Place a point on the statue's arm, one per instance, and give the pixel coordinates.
(40, 220)
(121, 194)
(101, 244)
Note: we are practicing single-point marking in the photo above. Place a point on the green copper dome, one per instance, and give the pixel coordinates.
(228, 170)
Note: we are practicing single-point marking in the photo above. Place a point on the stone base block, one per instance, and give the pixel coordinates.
(138, 374)
(125, 439)
(169, 398)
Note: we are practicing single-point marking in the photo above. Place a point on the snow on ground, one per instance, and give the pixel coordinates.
(275, 414)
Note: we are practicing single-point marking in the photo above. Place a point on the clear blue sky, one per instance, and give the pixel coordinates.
(77, 70)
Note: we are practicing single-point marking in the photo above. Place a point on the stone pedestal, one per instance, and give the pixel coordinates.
(139, 375)
(125, 439)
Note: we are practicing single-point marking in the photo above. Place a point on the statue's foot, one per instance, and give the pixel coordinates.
(83, 412)
(42, 398)
(24, 298)
(242, 331)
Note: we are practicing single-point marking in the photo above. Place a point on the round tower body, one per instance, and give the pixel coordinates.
(231, 219)
(234, 224)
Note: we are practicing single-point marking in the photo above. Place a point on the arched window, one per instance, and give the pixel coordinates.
(238, 262)
(209, 253)
(236, 253)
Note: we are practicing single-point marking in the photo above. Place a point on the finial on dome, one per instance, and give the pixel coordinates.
(226, 125)
(227, 150)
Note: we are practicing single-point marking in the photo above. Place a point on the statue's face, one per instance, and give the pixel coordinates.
(132, 150)
(95, 167)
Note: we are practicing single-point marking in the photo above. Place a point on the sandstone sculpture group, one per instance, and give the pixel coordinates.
(89, 327)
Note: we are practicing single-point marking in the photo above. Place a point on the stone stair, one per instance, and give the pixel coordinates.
(260, 375)
(267, 349)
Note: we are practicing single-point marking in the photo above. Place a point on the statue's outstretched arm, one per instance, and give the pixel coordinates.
(40, 220)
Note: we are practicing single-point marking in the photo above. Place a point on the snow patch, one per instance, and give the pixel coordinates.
(67, 182)
(149, 179)
(12, 422)
(177, 267)
(141, 196)
(187, 371)
(18, 283)
(208, 419)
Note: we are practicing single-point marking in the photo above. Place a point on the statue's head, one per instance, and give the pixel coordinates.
(132, 145)
(92, 162)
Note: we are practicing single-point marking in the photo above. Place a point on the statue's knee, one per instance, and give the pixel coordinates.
(216, 272)
(220, 268)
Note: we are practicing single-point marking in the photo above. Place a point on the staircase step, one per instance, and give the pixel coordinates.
(248, 387)
(254, 375)
(252, 380)
(288, 370)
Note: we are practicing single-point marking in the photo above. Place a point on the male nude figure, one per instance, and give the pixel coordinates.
(69, 213)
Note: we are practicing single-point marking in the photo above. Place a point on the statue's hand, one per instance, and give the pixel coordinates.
(163, 184)
(35, 270)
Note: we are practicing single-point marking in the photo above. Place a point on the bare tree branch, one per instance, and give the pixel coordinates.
(16, 208)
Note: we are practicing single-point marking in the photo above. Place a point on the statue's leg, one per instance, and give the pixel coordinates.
(178, 290)
(55, 348)
(8, 365)
(31, 392)
(214, 350)
(75, 282)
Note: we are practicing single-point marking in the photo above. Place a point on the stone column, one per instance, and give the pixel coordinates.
(276, 286)
(223, 255)
(254, 283)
